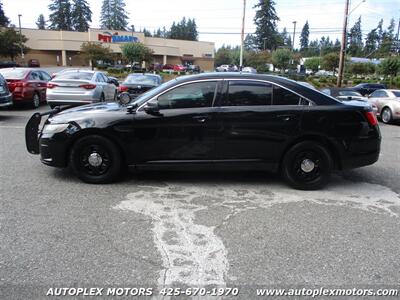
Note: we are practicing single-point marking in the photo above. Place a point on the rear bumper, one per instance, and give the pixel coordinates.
(70, 102)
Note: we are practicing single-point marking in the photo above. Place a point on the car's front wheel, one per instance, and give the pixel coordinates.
(386, 115)
(95, 159)
(307, 165)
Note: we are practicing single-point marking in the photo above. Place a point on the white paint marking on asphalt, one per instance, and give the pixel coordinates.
(12, 127)
(193, 254)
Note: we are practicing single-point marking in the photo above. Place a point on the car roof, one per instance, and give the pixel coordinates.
(311, 94)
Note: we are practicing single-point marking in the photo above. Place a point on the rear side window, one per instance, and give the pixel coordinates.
(45, 76)
(285, 97)
(248, 93)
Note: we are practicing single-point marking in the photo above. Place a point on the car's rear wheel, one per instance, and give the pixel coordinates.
(307, 165)
(95, 159)
(386, 115)
(35, 100)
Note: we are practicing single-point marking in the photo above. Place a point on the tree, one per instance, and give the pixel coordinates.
(361, 68)
(184, 30)
(93, 51)
(112, 15)
(136, 52)
(41, 22)
(81, 15)
(258, 60)
(4, 21)
(304, 37)
(355, 39)
(60, 18)
(10, 42)
(146, 32)
(223, 56)
(266, 28)
(371, 42)
(390, 66)
(388, 39)
(313, 64)
(281, 59)
(330, 62)
(250, 43)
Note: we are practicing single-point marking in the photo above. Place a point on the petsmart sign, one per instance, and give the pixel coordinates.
(108, 37)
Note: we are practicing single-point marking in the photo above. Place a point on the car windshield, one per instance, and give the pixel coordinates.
(13, 73)
(76, 75)
(396, 93)
(151, 93)
(141, 79)
(349, 93)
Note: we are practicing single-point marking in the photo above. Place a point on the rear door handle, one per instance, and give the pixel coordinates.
(201, 119)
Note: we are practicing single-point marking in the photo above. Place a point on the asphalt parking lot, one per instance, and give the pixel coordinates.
(193, 229)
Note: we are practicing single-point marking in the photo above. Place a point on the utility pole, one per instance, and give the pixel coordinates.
(20, 38)
(242, 36)
(343, 45)
(294, 33)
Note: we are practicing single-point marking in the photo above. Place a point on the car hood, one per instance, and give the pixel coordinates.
(92, 114)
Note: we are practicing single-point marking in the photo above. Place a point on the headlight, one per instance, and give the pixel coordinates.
(54, 128)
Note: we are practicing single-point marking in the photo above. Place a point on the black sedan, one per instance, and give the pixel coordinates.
(366, 89)
(136, 84)
(217, 120)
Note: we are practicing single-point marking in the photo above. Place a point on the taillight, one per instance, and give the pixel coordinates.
(372, 120)
(51, 85)
(123, 88)
(88, 86)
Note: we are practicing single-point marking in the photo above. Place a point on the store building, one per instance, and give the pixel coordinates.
(62, 48)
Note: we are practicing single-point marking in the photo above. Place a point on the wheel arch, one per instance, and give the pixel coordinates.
(330, 146)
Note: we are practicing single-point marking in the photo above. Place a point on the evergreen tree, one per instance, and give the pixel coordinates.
(146, 32)
(81, 15)
(388, 39)
(371, 42)
(106, 15)
(304, 36)
(4, 21)
(265, 20)
(183, 30)
(119, 17)
(60, 18)
(41, 22)
(192, 29)
(250, 43)
(355, 39)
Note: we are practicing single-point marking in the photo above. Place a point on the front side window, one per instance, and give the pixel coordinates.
(248, 93)
(285, 97)
(192, 95)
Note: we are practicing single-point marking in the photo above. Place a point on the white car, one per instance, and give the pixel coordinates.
(388, 104)
(249, 70)
(80, 87)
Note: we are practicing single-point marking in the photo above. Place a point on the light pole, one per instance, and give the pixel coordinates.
(294, 33)
(242, 35)
(20, 38)
(344, 40)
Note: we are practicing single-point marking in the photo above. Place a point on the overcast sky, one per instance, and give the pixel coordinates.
(224, 16)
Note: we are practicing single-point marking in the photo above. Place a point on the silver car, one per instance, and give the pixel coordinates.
(388, 104)
(80, 87)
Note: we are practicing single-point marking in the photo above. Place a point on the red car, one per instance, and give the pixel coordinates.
(175, 68)
(26, 85)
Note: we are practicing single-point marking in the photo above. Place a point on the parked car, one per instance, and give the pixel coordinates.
(249, 70)
(26, 85)
(156, 67)
(168, 67)
(33, 63)
(179, 68)
(136, 84)
(348, 94)
(366, 89)
(8, 64)
(5, 95)
(80, 87)
(388, 104)
(224, 68)
(193, 68)
(257, 122)
(54, 75)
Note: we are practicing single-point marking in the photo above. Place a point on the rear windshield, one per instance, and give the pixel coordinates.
(76, 75)
(141, 79)
(13, 73)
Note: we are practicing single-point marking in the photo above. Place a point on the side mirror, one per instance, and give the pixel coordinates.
(152, 108)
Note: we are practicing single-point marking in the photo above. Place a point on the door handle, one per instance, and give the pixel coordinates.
(201, 119)
(285, 117)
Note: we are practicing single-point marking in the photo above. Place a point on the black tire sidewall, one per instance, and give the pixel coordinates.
(114, 170)
(326, 165)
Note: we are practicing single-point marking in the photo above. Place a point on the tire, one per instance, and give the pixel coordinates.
(307, 166)
(386, 115)
(35, 100)
(95, 159)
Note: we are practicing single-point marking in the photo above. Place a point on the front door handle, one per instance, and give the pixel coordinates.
(201, 119)
(285, 117)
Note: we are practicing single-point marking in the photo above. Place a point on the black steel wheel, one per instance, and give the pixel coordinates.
(307, 165)
(95, 159)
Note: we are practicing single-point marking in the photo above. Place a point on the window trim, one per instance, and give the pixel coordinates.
(182, 84)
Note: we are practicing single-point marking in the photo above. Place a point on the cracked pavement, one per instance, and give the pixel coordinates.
(184, 229)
